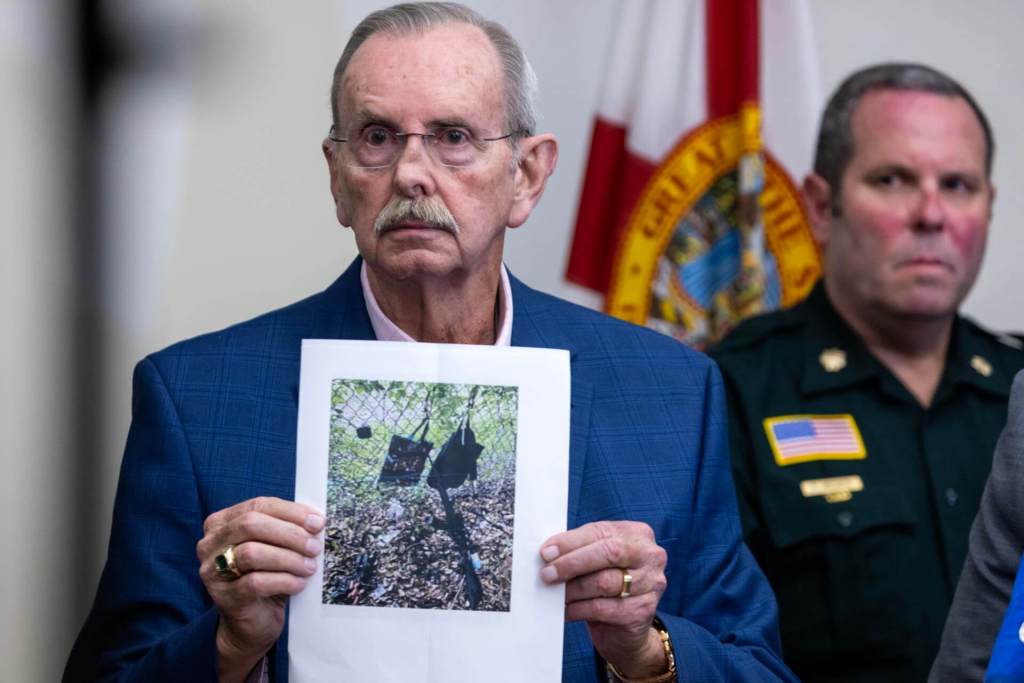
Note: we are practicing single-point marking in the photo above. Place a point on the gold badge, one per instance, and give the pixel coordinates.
(833, 360)
(834, 489)
(981, 366)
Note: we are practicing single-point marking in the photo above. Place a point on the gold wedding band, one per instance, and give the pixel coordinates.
(627, 584)
(226, 564)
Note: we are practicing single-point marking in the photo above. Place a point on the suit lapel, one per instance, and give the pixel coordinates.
(339, 312)
(534, 324)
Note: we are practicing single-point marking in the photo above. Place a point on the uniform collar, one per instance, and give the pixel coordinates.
(829, 342)
(974, 360)
(834, 356)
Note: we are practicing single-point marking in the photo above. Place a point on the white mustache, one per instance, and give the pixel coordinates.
(429, 211)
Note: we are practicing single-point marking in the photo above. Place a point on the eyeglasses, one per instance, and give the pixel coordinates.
(377, 146)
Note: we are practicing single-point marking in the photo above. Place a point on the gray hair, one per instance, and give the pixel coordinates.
(835, 138)
(411, 18)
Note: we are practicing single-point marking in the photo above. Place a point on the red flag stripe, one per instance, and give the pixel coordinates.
(733, 51)
(612, 185)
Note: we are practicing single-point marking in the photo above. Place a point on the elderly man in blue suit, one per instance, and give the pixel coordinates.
(432, 155)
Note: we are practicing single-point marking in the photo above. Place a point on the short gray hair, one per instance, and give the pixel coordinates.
(835, 138)
(410, 18)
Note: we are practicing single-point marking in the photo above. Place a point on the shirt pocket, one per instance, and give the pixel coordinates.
(841, 573)
(793, 520)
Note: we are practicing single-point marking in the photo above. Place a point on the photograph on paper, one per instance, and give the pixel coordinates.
(420, 495)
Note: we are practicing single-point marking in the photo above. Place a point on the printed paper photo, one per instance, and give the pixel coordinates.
(420, 495)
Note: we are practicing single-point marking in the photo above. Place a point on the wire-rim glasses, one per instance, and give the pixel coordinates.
(378, 146)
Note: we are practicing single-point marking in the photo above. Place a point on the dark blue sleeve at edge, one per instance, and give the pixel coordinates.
(152, 619)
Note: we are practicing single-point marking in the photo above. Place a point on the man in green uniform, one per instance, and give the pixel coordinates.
(863, 420)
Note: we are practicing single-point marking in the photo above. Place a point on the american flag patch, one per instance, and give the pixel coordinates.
(803, 438)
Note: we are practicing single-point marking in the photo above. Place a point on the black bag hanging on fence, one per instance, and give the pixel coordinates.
(457, 460)
(406, 456)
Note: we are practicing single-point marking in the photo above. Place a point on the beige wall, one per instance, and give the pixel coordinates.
(249, 223)
(34, 369)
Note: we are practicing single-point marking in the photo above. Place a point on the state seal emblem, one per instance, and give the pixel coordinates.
(719, 233)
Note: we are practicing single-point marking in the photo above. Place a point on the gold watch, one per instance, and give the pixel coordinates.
(614, 675)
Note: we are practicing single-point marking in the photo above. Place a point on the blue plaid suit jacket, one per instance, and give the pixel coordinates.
(214, 420)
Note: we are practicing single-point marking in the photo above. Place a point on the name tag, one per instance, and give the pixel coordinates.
(834, 489)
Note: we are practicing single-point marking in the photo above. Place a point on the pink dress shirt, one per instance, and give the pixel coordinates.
(389, 331)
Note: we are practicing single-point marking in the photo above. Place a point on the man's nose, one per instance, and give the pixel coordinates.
(931, 211)
(414, 168)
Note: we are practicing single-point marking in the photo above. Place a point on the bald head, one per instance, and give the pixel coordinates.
(519, 83)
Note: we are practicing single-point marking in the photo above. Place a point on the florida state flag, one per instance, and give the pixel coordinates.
(689, 218)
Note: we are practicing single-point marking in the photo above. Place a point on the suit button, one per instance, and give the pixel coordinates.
(844, 519)
(951, 497)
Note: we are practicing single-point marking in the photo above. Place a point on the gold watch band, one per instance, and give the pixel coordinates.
(614, 675)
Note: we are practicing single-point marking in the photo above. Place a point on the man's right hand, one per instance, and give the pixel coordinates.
(275, 542)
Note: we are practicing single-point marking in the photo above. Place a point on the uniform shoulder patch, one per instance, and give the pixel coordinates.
(1013, 340)
(805, 438)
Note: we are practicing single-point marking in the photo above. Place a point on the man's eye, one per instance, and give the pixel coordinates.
(452, 137)
(377, 136)
(896, 179)
(958, 184)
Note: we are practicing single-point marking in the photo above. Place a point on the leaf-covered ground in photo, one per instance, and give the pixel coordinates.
(388, 545)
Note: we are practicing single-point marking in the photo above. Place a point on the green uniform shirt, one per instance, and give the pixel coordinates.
(856, 500)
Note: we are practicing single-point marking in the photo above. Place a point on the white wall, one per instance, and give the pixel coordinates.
(249, 221)
(34, 260)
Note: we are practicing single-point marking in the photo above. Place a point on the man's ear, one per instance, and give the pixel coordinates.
(330, 149)
(537, 158)
(818, 204)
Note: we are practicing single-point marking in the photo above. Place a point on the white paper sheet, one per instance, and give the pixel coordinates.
(394, 606)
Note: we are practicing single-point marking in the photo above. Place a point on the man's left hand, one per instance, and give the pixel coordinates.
(592, 561)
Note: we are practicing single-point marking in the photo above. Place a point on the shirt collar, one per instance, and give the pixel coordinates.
(826, 333)
(974, 359)
(386, 330)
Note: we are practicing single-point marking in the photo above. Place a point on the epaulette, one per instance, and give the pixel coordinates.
(1011, 340)
(756, 328)
(1014, 341)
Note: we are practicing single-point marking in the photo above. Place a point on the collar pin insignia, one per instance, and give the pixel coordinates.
(981, 366)
(833, 360)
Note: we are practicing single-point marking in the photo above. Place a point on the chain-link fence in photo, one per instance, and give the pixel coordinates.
(420, 495)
